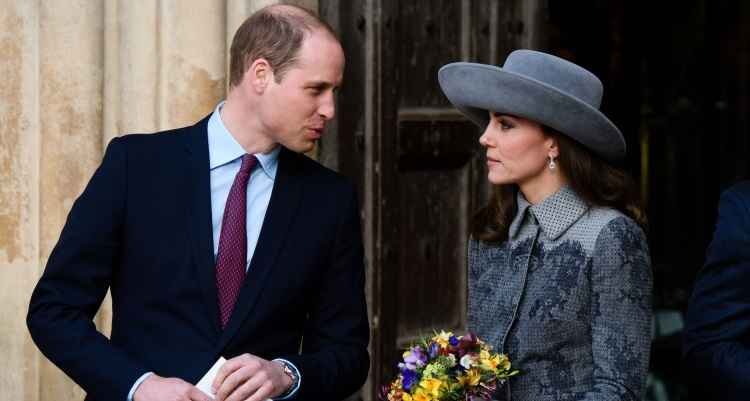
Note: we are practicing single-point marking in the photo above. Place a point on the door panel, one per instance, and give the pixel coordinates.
(434, 182)
(439, 176)
(415, 158)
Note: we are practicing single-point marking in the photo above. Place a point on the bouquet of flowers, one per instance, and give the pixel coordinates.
(448, 368)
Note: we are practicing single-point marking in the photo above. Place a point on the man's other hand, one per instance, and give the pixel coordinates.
(250, 378)
(157, 388)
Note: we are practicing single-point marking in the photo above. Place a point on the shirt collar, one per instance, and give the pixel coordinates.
(223, 148)
(555, 214)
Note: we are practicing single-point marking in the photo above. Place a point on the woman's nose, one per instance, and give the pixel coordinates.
(484, 140)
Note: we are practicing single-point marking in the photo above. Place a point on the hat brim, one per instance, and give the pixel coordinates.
(475, 89)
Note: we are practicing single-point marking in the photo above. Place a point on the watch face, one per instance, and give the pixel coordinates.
(290, 372)
(287, 369)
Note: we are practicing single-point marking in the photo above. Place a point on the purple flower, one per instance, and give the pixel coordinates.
(434, 350)
(414, 358)
(470, 339)
(453, 340)
(468, 343)
(410, 379)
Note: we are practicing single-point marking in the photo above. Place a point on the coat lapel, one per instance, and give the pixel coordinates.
(198, 191)
(284, 203)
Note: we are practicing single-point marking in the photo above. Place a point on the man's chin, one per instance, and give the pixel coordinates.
(304, 147)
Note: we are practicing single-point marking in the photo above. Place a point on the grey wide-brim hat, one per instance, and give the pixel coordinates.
(539, 87)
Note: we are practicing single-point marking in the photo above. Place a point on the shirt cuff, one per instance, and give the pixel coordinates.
(138, 383)
(294, 390)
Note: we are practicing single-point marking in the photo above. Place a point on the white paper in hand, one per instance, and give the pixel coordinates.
(208, 379)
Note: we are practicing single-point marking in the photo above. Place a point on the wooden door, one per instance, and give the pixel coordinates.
(415, 159)
(433, 169)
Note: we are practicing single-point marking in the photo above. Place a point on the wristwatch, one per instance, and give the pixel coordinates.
(291, 372)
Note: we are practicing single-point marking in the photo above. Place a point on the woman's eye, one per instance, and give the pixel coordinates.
(505, 125)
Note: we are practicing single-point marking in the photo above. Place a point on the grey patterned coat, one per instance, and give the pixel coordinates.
(568, 298)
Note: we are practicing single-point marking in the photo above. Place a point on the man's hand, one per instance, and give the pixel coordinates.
(157, 388)
(249, 378)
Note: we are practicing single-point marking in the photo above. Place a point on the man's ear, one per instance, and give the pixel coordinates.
(259, 75)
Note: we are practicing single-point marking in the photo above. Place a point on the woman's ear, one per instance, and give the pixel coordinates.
(553, 149)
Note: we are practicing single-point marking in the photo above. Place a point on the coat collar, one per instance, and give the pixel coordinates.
(283, 205)
(554, 215)
(282, 209)
(223, 148)
(198, 195)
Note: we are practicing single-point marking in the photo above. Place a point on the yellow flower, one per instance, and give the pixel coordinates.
(419, 395)
(489, 362)
(471, 378)
(503, 362)
(432, 386)
(406, 397)
(443, 339)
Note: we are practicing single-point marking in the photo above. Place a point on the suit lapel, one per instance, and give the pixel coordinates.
(285, 200)
(198, 191)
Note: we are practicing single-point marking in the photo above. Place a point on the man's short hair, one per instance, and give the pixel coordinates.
(274, 33)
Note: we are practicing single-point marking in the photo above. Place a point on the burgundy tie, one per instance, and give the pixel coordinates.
(232, 255)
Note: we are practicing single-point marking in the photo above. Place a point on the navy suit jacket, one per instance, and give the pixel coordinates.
(142, 228)
(717, 334)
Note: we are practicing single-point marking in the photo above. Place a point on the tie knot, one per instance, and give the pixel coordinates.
(248, 162)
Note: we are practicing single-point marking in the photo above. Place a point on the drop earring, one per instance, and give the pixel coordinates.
(552, 164)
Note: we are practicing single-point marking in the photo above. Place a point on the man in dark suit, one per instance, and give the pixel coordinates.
(717, 333)
(219, 239)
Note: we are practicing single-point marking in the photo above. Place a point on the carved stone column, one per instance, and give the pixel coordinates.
(19, 195)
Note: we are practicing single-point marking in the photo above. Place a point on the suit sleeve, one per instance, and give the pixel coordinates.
(334, 360)
(79, 272)
(718, 319)
(621, 312)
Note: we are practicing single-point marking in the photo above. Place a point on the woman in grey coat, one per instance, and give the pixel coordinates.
(559, 269)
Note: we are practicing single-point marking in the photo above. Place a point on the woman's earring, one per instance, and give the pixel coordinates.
(552, 164)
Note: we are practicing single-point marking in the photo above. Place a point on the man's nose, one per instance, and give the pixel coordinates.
(327, 107)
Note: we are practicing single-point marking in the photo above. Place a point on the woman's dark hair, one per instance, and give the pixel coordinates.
(596, 181)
